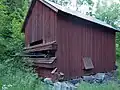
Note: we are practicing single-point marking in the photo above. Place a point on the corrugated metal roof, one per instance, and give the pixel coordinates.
(76, 13)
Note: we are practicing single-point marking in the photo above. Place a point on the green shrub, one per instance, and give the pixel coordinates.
(118, 70)
(21, 81)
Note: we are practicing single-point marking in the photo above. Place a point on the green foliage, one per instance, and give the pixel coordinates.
(21, 81)
(88, 3)
(118, 70)
(12, 13)
(4, 29)
(0, 85)
(12, 69)
(118, 46)
(68, 2)
(110, 14)
(62, 2)
(81, 2)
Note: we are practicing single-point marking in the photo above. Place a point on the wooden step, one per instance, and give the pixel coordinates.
(42, 60)
(42, 47)
(45, 66)
(30, 55)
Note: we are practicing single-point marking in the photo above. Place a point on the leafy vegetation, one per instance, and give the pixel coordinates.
(106, 13)
(12, 70)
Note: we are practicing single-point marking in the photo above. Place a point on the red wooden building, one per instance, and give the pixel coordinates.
(73, 43)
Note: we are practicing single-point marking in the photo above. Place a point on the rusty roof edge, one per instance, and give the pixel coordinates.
(78, 14)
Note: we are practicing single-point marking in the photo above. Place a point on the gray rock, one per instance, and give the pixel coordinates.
(116, 67)
(89, 79)
(115, 73)
(100, 76)
(107, 78)
(75, 81)
(118, 81)
(68, 86)
(112, 75)
(57, 86)
(48, 81)
(109, 74)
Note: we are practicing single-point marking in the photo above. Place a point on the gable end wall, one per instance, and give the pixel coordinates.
(41, 24)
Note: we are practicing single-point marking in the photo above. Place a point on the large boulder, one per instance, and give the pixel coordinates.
(75, 81)
(99, 77)
(89, 79)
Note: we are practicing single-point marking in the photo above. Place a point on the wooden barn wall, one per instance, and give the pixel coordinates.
(41, 24)
(27, 32)
(43, 72)
(84, 39)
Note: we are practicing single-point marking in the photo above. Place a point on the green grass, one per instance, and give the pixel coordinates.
(110, 86)
(22, 81)
(29, 81)
(17, 79)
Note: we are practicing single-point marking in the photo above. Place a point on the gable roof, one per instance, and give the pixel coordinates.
(58, 8)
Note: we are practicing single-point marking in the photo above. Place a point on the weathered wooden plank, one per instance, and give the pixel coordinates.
(42, 60)
(40, 45)
(45, 66)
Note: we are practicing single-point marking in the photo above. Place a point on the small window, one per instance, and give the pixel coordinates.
(36, 42)
(88, 64)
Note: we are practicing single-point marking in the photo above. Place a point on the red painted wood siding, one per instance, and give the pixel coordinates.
(42, 24)
(83, 39)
